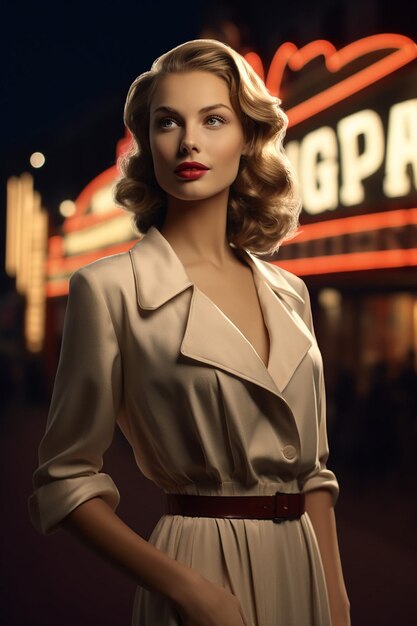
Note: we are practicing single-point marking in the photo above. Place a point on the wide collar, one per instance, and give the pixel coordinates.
(163, 276)
(210, 336)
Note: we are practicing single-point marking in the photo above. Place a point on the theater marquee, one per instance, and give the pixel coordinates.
(352, 139)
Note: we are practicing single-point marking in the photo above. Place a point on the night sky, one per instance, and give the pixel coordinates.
(68, 68)
(66, 71)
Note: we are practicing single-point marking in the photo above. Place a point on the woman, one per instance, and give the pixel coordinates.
(206, 357)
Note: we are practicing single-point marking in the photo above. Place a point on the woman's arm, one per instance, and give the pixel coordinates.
(70, 488)
(321, 492)
(96, 525)
(198, 601)
(319, 507)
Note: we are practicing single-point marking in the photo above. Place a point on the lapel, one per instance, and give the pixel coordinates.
(210, 336)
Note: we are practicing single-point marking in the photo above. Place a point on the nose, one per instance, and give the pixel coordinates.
(188, 141)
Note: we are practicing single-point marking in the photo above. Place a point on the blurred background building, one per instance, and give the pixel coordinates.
(346, 72)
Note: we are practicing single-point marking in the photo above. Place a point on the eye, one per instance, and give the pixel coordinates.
(218, 118)
(161, 123)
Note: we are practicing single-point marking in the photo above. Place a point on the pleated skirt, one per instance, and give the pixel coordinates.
(275, 570)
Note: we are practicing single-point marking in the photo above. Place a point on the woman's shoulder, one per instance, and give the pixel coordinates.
(104, 266)
(285, 278)
(105, 273)
(295, 281)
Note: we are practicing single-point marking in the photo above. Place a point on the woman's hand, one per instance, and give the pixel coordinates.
(209, 604)
(198, 601)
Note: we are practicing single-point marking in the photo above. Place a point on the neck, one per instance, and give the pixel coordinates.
(196, 230)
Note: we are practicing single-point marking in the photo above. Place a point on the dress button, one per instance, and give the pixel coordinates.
(289, 452)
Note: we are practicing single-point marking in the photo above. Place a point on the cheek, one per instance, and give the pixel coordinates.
(230, 150)
(161, 150)
(161, 167)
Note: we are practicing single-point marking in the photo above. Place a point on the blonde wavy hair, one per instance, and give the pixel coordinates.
(264, 205)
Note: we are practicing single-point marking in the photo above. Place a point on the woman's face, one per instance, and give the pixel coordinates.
(192, 120)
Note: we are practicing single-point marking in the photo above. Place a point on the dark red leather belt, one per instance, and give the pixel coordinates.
(278, 508)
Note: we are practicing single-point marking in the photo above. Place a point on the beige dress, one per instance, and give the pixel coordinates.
(145, 348)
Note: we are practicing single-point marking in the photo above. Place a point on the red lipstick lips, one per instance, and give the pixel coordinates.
(191, 170)
(190, 164)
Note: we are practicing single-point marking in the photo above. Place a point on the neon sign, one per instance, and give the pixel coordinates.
(332, 166)
(399, 50)
(352, 137)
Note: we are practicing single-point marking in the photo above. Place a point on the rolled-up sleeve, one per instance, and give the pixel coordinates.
(321, 477)
(84, 406)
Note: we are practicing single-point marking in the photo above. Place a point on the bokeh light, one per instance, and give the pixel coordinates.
(37, 159)
(67, 208)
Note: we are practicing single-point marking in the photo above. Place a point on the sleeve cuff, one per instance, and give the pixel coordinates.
(324, 479)
(51, 503)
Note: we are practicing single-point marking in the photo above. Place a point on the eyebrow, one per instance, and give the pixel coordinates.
(203, 110)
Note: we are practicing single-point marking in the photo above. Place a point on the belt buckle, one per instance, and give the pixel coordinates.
(276, 519)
